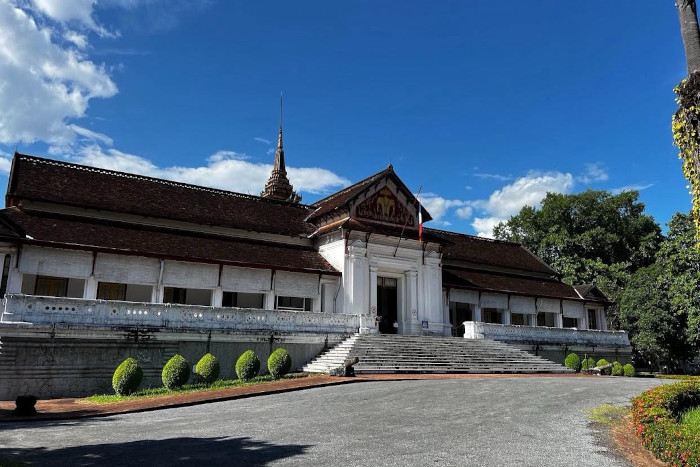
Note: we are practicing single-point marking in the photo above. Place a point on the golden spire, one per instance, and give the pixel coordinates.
(278, 186)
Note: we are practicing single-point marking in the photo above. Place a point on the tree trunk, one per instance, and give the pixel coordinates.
(687, 15)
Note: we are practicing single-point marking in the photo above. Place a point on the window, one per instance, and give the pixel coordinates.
(293, 303)
(492, 315)
(570, 322)
(243, 300)
(545, 319)
(51, 286)
(517, 319)
(111, 291)
(174, 295)
(592, 323)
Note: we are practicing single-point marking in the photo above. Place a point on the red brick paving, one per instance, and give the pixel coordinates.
(62, 409)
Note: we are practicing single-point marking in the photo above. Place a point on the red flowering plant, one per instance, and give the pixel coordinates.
(656, 414)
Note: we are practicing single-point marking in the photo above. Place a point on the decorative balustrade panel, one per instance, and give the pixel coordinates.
(107, 313)
(544, 335)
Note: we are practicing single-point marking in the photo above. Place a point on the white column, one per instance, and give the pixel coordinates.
(600, 315)
(373, 290)
(505, 317)
(217, 297)
(412, 306)
(158, 292)
(559, 320)
(14, 277)
(360, 282)
(90, 289)
(477, 312)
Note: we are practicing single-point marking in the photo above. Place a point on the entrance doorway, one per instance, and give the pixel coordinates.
(387, 304)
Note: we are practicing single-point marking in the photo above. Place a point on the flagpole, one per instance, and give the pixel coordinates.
(420, 234)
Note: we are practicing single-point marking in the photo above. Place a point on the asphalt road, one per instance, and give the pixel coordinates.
(465, 422)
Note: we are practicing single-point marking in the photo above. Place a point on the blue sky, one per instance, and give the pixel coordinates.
(485, 105)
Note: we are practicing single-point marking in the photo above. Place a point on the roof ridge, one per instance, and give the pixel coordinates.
(476, 237)
(162, 181)
(389, 169)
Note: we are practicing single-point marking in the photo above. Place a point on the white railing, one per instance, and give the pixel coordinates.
(100, 313)
(544, 335)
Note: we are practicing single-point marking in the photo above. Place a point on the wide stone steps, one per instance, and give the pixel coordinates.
(418, 354)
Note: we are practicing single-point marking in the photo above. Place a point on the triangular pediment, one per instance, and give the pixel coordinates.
(385, 206)
(382, 197)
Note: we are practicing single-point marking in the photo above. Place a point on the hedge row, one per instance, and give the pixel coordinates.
(176, 372)
(656, 414)
(573, 362)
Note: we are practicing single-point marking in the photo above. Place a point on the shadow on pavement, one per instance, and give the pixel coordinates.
(171, 452)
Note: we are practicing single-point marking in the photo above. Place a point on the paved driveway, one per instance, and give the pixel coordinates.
(475, 422)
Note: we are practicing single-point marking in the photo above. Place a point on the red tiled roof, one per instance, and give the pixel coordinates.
(71, 232)
(506, 283)
(37, 179)
(333, 203)
(478, 250)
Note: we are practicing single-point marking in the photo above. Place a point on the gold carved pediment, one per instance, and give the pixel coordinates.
(384, 206)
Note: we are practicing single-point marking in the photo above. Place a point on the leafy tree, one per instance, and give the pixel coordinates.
(680, 262)
(593, 236)
(686, 120)
(661, 304)
(655, 331)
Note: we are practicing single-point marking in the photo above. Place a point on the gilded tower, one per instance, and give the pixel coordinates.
(278, 186)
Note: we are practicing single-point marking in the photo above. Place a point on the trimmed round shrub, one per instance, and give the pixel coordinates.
(603, 362)
(248, 365)
(573, 362)
(628, 370)
(617, 369)
(587, 364)
(176, 372)
(207, 369)
(279, 363)
(127, 377)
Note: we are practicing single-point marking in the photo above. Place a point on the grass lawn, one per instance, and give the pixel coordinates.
(683, 377)
(691, 419)
(187, 388)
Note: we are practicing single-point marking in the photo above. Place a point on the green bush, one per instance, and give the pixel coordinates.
(628, 369)
(176, 372)
(656, 413)
(587, 364)
(603, 362)
(127, 377)
(248, 365)
(279, 363)
(207, 369)
(617, 369)
(573, 362)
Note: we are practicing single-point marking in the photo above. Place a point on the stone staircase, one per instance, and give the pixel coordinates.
(382, 353)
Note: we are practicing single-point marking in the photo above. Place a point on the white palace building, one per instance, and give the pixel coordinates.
(100, 265)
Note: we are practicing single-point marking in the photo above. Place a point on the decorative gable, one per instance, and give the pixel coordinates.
(384, 206)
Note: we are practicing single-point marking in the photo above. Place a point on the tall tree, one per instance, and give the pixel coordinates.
(592, 236)
(686, 120)
(687, 14)
(660, 306)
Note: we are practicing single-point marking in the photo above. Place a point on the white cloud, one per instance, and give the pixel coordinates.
(524, 191)
(262, 140)
(500, 178)
(225, 170)
(43, 86)
(484, 226)
(438, 206)
(635, 187)
(68, 10)
(465, 212)
(595, 172)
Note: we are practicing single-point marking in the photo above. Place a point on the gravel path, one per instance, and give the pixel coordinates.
(474, 422)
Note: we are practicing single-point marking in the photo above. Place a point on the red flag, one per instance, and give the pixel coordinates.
(420, 223)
